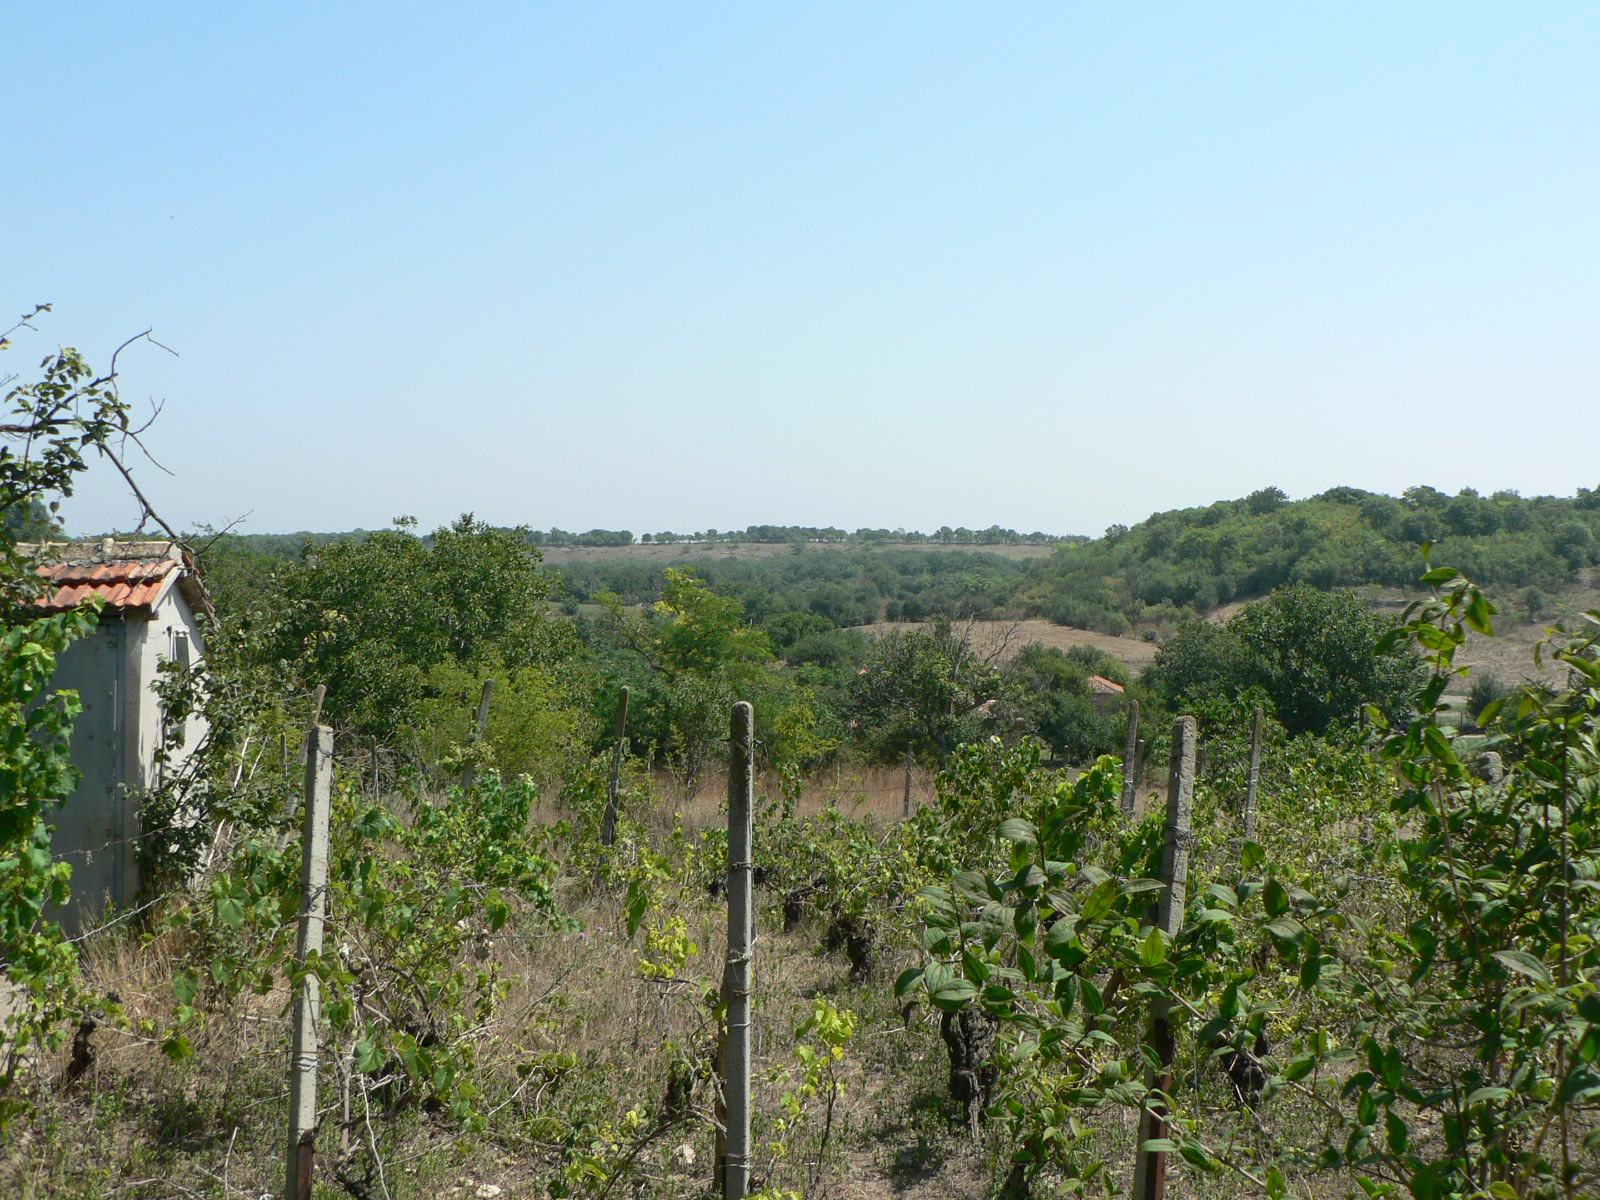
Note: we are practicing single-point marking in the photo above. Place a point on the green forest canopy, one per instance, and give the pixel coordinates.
(1172, 567)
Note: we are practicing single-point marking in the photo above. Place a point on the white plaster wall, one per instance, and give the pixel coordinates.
(153, 645)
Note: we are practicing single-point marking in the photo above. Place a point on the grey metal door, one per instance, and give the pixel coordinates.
(88, 823)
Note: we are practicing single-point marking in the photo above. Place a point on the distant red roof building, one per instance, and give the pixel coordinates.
(1105, 687)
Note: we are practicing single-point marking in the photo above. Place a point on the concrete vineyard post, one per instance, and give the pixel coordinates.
(317, 698)
(479, 724)
(1130, 755)
(307, 1000)
(905, 802)
(1248, 822)
(608, 824)
(736, 978)
(1150, 1166)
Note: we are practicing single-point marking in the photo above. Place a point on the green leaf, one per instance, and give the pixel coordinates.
(1229, 1007)
(1579, 1087)
(1478, 614)
(1396, 1132)
(907, 980)
(1058, 941)
(1153, 950)
(1274, 899)
(186, 986)
(1100, 901)
(1287, 928)
(1524, 963)
(953, 995)
(1589, 1045)
(1157, 1146)
(1299, 1068)
(1196, 1156)
(1023, 833)
(1311, 969)
(230, 912)
(1135, 887)
(1438, 744)
(1252, 856)
(368, 1056)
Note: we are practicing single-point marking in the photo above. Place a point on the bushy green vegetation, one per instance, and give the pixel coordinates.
(1389, 990)
(1172, 567)
(1186, 562)
(405, 628)
(845, 589)
(1308, 654)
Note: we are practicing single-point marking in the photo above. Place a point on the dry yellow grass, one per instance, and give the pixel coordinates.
(1002, 640)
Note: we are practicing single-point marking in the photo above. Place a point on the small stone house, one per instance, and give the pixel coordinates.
(1105, 693)
(151, 595)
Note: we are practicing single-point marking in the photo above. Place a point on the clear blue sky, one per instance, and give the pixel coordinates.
(686, 265)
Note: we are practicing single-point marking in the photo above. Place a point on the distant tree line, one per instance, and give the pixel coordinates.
(1178, 565)
(783, 534)
(1147, 579)
(845, 589)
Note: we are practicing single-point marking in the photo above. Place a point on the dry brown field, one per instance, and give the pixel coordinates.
(1001, 640)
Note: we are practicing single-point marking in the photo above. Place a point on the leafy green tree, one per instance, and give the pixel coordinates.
(47, 428)
(922, 689)
(1312, 653)
(535, 725)
(699, 631)
(688, 658)
(1047, 689)
(31, 521)
(1268, 499)
(1474, 1060)
(369, 619)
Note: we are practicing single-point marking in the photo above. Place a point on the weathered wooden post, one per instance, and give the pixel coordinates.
(1248, 817)
(1150, 1166)
(905, 801)
(608, 823)
(734, 1156)
(1130, 755)
(479, 724)
(307, 999)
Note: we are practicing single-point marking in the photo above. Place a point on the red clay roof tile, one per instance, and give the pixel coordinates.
(123, 585)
